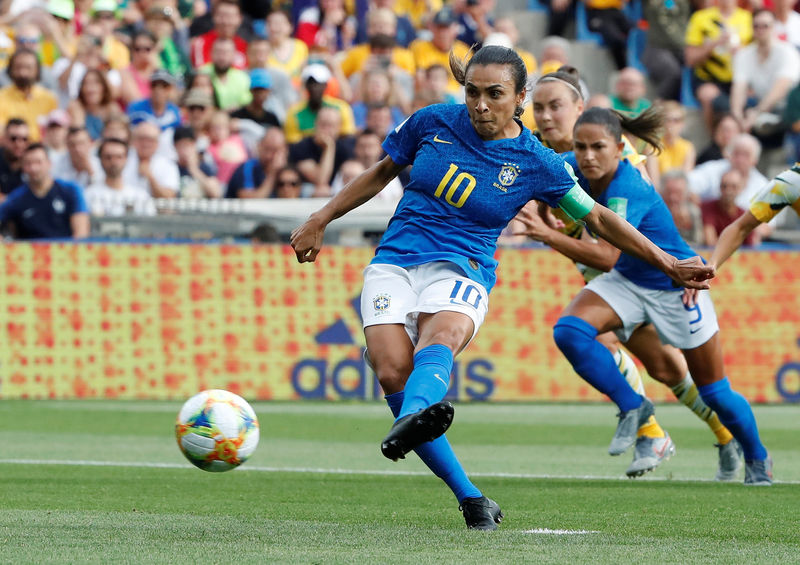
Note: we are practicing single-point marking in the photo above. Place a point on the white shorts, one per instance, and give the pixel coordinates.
(676, 324)
(395, 295)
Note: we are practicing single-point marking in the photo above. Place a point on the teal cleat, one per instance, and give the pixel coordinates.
(758, 472)
(649, 453)
(628, 425)
(730, 460)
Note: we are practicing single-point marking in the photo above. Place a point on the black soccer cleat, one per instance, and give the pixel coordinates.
(481, 513)
(415, 429)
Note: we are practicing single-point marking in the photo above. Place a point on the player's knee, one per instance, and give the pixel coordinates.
(393, 376)
(573, 335)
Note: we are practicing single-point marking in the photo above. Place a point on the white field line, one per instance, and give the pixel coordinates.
(339, 471)
(560, 532)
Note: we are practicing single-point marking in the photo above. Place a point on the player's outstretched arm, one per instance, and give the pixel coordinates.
(691, 273)
(306, 239)
(732, 238)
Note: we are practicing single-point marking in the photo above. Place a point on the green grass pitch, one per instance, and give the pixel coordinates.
(104, 482)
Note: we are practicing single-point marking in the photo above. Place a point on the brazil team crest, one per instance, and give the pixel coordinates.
(508, 174)
(382, 302)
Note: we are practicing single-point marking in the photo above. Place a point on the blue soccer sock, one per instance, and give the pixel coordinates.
(734, 411)
(593, 362)
(439, 457)
(430, 379)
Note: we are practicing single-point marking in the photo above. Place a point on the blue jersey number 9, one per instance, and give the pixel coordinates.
(454, 186)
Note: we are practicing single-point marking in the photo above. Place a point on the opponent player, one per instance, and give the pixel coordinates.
(634, 293)
(782, 191)
(426, 291)
(557, 104)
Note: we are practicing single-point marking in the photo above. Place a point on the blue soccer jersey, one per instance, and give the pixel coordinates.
(635, 200)
(46, 217)
(463, 190)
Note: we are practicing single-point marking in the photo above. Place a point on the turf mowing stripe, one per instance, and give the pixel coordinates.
(560, 532)
(379, 472)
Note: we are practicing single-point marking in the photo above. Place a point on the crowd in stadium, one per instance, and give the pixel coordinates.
(126, 102)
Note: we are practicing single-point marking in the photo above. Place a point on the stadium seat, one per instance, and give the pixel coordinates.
(637, 40)
(582, 31)
(687, 96)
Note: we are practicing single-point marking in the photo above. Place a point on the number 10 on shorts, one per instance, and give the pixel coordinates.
(469, 295)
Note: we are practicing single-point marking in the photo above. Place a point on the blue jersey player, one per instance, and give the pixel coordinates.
(634, 292)
(426, 291)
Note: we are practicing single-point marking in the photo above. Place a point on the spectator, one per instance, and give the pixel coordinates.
(319, 157)
(27, 35)
(160, 21)
(507, 26)
(379, 119)
(256, 178)
(227, 17)
(288, 183)
(714, 34)
(159, 109)
(79, 165)
(677, 152)
(198, 107)
(327, 26)
(24, 98)
(434, 88)
(663, 54)
(231, 85)
(559, 14)
(686, 214)
(437, 50)
(135, 79)
(203, 23)
(197, 176)
(260, 85)
(118, 127)
(607, 18)
(285, 52)
(629, 93)
(264, 233)
(381, 51)
(88, 55)
(377, 90)
(555, 55)
(112, 197)
(791, 117)
(16, 137)
(741, 155)
(54, 133)
(474, 21)
(763, 74)
(44, 207)
(367, 151)
(720, 212)
(146, 169)
(94, 105)
(226, 148)
(725, 129)
(301, 117)
(104, 17)
(787, 21)
(283, 92)
(406, 32)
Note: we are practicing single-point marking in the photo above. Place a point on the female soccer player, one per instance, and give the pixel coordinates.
(557, 105)
(634, 293)
(426, 291)
(782, 191)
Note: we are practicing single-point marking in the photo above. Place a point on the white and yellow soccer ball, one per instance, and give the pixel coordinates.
(217, 430)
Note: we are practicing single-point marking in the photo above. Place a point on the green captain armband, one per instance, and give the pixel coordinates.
(576, 203)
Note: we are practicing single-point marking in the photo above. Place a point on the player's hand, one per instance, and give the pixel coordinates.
(306, 240)
(689, 297)
(692, 273)
(533, 224)
(546, 213)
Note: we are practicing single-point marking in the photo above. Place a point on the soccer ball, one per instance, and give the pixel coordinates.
(217, 430)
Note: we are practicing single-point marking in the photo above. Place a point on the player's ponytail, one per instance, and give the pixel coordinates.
(647, 126)
(491, 55)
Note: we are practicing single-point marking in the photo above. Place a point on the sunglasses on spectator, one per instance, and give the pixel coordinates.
(193, 108)
(16, 138)
(284, 182)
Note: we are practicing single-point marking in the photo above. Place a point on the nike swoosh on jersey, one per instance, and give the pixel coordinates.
(695, 330)
(437, 140)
